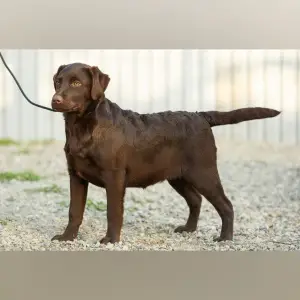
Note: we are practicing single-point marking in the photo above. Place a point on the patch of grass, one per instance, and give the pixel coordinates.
(91, 205)
(8, 142)
(47, 189)
(3, 222)
(24, 151)
(40, 142)
(132, 209)
(20, 176)
(24, 146)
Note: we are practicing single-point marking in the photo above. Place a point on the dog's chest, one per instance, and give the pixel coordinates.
(85, 163)
(79, 148)
(87, 157)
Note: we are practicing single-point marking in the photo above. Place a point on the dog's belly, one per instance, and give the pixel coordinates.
(147, 175)
(144, 169)
(145, 180)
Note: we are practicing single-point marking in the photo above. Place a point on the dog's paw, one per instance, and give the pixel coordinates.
(222, 238)
(184, 228)
(64, 237)
(108, 239)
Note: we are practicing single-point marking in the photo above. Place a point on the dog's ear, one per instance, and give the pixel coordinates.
(100, 82)
(60, 68)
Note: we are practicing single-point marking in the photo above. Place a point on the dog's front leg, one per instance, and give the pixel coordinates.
(78, 195)
(115, 191)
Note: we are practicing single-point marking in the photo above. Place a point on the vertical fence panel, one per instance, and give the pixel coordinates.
(297, 112)
(289, 97)
(194, 99)
(159, 82)
(111, 66)
(167, 75)
(187, 79)
(176, 84)
(223, 86)
(127, 80)
(273, 93)
(27, 112)
(194, 81)
(45, 89)
(20, 103)
(3, 102)
(8, 106)
(208, 83)
(144, 94)
(239, 91)
(256, 92)
(134, 78)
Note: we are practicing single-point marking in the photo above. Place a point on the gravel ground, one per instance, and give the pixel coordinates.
(262, 182)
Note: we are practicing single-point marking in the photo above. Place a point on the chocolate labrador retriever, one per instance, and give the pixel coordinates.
(114, 149)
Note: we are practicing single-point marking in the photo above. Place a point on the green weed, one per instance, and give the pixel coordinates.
(20, 176)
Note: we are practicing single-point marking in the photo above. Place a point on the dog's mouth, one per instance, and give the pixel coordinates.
(65, 109)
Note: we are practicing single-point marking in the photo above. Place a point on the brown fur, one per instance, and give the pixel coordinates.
(114, 149)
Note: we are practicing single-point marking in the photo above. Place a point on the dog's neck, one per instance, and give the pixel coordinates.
(90, 108)
(100, 110)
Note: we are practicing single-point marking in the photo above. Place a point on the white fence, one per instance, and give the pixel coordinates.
(155, 80)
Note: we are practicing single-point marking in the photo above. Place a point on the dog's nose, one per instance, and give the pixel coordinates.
(57, 99)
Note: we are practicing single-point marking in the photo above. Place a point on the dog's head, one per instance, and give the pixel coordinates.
(76, 85)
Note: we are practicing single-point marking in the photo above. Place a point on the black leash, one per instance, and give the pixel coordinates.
(19, 86)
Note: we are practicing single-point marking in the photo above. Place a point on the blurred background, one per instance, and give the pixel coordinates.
(156, 80)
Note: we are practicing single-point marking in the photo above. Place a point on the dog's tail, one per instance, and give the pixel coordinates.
(216, 118)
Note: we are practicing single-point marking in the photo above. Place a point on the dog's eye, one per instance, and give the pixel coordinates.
(75, 83)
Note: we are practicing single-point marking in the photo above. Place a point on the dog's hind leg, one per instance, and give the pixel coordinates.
(193, 200)
(208, 183)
